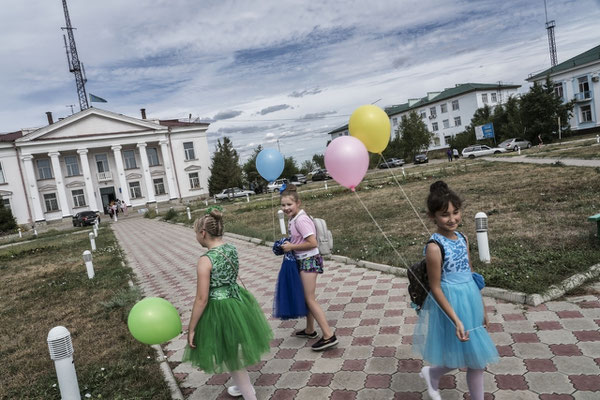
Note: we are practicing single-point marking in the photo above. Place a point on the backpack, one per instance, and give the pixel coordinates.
(324, 237)
(418, 281)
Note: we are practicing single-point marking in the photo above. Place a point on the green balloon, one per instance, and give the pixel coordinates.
(154, 320)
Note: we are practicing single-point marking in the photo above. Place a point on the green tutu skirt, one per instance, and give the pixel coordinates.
(232, 334)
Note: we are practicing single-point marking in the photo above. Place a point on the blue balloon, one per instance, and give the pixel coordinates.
(269, 164)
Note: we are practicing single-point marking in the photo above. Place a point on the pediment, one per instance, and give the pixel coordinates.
(75, 184)
(47, 188)
(133, 175)
(193, 168)
(92, 122)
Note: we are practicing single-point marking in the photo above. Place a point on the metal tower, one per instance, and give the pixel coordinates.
(73, 59)
(551, 43)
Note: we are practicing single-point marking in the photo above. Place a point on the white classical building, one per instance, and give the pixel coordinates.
(446, 113)
(578, 78)
(85, 161)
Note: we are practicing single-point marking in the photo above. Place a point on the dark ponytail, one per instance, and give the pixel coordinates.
(440, 195)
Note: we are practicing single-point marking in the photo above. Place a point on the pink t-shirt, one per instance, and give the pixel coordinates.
(301, 227)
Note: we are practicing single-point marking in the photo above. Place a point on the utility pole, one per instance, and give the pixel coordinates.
(73, 59)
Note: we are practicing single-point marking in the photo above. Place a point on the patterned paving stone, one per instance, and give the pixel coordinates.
(551, 351)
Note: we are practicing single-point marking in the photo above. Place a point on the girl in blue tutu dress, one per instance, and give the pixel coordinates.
(451, 330)
(228, 330)
(303, 242)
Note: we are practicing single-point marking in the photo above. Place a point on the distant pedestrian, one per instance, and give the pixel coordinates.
(451, 331)
(449, 154)
(540, 142)
(228, 330)
(455, 154)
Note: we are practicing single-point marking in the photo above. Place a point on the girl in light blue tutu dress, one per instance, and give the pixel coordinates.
(451, 331)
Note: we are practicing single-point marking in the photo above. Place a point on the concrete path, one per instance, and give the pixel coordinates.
(548, 352)
(550, 160)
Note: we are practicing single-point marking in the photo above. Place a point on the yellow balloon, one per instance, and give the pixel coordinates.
(371, 125)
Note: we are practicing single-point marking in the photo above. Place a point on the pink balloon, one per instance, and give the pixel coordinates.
(347, 161)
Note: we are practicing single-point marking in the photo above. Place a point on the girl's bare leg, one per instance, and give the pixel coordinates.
(309, 281)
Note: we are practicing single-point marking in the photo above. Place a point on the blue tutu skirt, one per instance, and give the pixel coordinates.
(289, 300)
(435, 335)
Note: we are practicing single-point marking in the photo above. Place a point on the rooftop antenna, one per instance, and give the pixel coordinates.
(73, 59)
(71, 107)
(551, 42)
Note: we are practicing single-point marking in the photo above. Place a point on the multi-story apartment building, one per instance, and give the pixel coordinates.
(85, 161)
(578, 79)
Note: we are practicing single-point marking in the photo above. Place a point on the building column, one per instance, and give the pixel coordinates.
(38, 212)
(164, 149)
(146, 172)
(60, 187)
(87, 176)
(121, 171)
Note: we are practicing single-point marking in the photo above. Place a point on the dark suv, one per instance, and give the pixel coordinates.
(421, 159)
(321, 175)
(85, 218)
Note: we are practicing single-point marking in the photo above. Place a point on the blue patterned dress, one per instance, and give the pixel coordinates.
(435, 334)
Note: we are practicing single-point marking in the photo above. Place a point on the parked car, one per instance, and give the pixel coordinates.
(481, 150)
(320, 175)
(232, 193)
(276, 185)
(515, 144)
(298, 179)
(421, 159)
(391, 163)
(85, 218)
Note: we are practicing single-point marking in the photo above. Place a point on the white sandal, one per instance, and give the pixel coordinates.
(433, 394)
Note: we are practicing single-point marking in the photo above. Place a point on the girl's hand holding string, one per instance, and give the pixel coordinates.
(286, 247)
(460, 331)
(190, 338)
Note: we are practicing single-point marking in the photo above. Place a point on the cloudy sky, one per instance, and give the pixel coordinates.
(272, 72)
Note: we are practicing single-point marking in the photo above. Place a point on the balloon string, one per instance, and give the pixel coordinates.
(405, 195)
(273, 212)
(406, 264)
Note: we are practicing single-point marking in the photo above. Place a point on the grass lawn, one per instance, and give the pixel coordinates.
(589, 150)
(538, 228)
(44, 284)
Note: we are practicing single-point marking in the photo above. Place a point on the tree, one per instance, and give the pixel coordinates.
(7, 220)
(319, 160)
(540, 109)
(307, 166)
(289, 167)
(412, 135)
(225, 169)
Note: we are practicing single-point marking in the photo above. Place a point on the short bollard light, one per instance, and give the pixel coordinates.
(206, 202)
(92, 241)
(597, 138)
(247, 198)
(519, 149)
(95, 231)
(89, 266)
(61, 352)
(189, 213)
(281, 222)
(481, 227)
(20, 233)
(325, 185)
(403, 172)
(35, 232)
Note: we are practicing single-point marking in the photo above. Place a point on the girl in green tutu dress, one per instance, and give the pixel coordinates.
(228, 330)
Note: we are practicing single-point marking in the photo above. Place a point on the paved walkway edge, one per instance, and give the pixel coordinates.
(511, 296)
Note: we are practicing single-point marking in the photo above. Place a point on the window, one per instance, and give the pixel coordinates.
(51, 202)
(152, 156)
(436, 141)
(484, 98)
(72, 165)
(194, 180)
(455, 105)
(432, 111)
(129, 157)
(135, 191)
(446, 123)
(395, 121)
(586, 114)
(44, 171)
(494, 97)
(423, 114)
(6, 203)
(558, 90)
(188, 147)
(584, 86)
(159, 186)
(2, 180)
(434, 126)
(102, 163)
(444, 107)
(447, 139)
(457, 121)
(78, 198)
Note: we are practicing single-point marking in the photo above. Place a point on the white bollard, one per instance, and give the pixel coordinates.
(215, 199)
(281, 222)
(597, 138)
(92, 241)
(206, 202)
(61, 352)
(481, 227)
(35, 231)
(189, 213)
(403, 172)
(20, 233)
(519, 149)
(115, 217)
(89, 266)
(95, 231)
(247, 198)
(325, 185)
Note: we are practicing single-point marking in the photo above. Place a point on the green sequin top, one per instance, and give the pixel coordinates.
(224, 272)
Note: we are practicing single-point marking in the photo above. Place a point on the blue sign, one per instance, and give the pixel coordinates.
(488, 130)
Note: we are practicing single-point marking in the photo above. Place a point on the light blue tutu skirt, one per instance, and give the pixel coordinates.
(435, 335)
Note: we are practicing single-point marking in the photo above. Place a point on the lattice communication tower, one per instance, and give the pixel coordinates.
(551, 42)
(75, 66)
